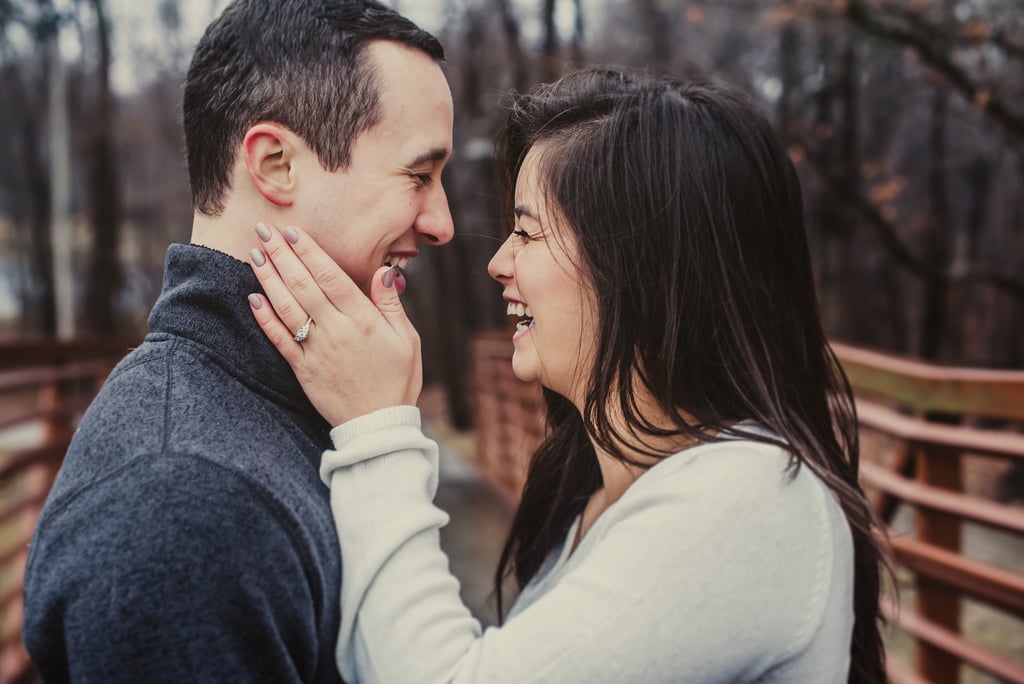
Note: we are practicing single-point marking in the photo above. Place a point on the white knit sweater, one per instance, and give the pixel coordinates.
(714, 566)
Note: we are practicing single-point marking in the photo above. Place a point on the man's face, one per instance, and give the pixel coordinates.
(389, 199)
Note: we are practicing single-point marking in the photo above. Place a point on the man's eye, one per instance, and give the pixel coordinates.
(424, 178)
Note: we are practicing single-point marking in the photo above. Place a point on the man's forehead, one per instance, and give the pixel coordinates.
(415, 127)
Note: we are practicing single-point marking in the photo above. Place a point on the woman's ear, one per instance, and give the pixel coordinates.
(269, 150)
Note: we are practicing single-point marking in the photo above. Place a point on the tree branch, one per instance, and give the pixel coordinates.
(860, 14)
(1012, 49)
(971, 33)
(996, 277)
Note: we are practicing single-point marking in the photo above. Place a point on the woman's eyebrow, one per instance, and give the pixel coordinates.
(522, 210)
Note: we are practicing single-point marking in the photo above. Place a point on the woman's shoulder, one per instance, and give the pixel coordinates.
(743, 488)
(739, 466)
(730, 533)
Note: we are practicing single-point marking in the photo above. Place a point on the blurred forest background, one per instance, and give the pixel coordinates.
(905, 119)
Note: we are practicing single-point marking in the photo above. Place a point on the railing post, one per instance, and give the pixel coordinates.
(34, 482)
(55, 400)
(938, 467)
(55, 397)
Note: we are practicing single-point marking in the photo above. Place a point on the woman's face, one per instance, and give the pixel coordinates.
(539, 269)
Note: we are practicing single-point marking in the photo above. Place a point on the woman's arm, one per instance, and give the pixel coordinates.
(710, 571)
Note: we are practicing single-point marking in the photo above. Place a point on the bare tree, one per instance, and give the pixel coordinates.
(105, 277)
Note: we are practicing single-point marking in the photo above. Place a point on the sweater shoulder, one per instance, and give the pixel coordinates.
(172, 440)
(766, 535)
(167, 398)
(718, 476)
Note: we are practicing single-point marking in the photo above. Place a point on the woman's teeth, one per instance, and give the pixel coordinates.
(519, 309)
(515, 309)
(399, 261)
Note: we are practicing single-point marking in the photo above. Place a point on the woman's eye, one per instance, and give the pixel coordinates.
(521, 234)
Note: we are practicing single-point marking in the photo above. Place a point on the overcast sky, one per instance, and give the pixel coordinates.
(136, 24)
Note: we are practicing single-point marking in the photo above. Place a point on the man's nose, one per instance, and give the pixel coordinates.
(434, 224)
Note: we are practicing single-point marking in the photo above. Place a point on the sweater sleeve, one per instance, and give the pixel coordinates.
(648, 596)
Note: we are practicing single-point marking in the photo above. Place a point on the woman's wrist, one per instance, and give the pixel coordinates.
(378, 434)
(381, 419)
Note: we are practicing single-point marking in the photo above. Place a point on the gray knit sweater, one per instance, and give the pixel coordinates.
(188, 537)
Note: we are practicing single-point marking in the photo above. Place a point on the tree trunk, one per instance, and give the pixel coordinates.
(577, 35)
(825, 208)
(658, 25)
(39, 310)
(510, 27)
(472, 38)
(60, 188)
(936, 302)
(967, 321)
(105, 272)
(789, 70)
(550, 49)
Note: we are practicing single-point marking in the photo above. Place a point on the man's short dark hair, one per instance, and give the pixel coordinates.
(299, 63)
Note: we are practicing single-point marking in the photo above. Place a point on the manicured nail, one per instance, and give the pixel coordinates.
(255, 301)
(257, 257)
(291, 235)
(263, 231)
(389, 278)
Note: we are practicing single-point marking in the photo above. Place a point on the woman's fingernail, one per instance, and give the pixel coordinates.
(389, 277)
(255, 301)
(263, 231)
(291, 235)
(257, 257)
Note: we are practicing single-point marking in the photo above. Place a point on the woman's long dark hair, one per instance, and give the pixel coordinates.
(689, 223)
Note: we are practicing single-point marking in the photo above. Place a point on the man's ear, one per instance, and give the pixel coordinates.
(269, 150)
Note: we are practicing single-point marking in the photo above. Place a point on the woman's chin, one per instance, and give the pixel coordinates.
(523, 370)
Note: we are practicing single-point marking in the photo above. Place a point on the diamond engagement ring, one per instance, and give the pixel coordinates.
(303, 332)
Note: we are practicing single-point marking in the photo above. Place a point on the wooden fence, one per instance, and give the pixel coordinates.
(933, 417)
(930, 417)
(936, 418)
(45, 387)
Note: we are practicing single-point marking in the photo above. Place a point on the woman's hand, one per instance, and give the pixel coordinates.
(358, 355)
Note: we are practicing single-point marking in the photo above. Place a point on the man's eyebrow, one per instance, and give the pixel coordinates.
(434, 155)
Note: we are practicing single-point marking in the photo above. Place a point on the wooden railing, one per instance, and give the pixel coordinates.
(929, 417)
(938, 420)
(45, 387)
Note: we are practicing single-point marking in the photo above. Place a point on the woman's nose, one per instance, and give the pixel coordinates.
(500, 265)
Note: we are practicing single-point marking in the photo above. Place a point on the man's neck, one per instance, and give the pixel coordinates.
(231, 232)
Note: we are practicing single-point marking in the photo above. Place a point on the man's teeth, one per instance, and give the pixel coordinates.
(516, 309)
(399, 261)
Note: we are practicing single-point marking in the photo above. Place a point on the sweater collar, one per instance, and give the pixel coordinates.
(204, 300)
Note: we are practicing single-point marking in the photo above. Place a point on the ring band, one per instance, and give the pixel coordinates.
(302, 333)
